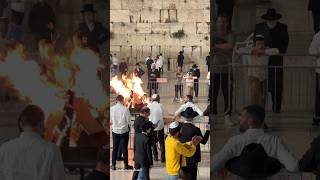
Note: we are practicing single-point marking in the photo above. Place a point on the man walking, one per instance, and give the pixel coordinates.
(196, 75)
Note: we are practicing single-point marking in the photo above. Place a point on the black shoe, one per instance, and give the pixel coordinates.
(113, 167)
(155, 159)
(128, 167)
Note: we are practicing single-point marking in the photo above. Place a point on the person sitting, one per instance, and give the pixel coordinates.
(176, 151)
(188, 131)
(29, 156)
(101, 172)
(251, 128)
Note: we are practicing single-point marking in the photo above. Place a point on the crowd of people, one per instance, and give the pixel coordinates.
(179, 150)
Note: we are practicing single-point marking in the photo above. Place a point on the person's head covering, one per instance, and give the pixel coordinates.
(253, 163)
(194, 66)
(189, 114)
(176, 126)
(271, 15)
(88, 8)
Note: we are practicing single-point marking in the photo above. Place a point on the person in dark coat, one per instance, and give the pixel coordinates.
(143, 152)
(138, 71)
(101, 172)
(3, 4)
(276, 36)
(196, 73)
(226, 7)
(95, 32)
(149, 62)
(310, 161)
(208, 63)
(189, 130)
(152, 79)
(314, 7)
(180, 59)
(42, 21)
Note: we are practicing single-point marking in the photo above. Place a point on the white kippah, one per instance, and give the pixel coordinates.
(154, 96)
(173, 125)
(17, 6)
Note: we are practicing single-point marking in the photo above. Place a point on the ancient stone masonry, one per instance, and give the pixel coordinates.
(140, 27)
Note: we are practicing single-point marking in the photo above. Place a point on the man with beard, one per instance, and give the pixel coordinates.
(94, 31)
(251, 128)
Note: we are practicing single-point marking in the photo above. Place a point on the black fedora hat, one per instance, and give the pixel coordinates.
(253, 163)
(271, 15)
(88, 8)
(189, 113)
(195, 66)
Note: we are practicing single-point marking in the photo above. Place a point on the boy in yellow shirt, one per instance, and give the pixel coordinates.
(176, 152)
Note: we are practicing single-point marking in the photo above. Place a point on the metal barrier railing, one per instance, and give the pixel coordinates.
(280, 176)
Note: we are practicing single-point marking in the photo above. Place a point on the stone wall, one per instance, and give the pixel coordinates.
(140, 27)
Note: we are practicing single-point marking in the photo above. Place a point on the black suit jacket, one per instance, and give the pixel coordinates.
(97, 36)
(314, 5)
(188, 131)
(196, 73)
(156, 73)
(310, 161)
(279, 39)
(142, 150)
(138, 124)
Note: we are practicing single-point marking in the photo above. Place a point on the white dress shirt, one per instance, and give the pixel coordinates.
(29, 157)
(160, 62)
(314, 49)
(193, 106)
(272, 145)
(115, 61)
(157, 112)
(261, 62)
(120, 118)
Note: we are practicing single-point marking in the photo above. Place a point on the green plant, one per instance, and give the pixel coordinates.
(150, 8)
(179, 35)
(136, 30)
(151, 32)
(206, 38)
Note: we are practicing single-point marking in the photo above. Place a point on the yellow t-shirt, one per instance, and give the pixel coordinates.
(174, 150)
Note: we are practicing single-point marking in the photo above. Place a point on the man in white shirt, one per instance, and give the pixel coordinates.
(157, 112)
(115, 61)
(29, 156)
(251, 123)
(120, 119)
(160, 63)
(314, 50)
(257, 70)
(188, 102)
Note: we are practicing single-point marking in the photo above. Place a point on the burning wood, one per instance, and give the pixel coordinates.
(130, 87)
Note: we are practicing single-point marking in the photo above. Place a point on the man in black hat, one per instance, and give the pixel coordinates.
(314, 7)
(42, 21)
(208, 63)
(94, 31)
(138, 71)
(188, 131)
(180, 59)
(251, 128)
(196, 74)
(276, 36)
(253, 163)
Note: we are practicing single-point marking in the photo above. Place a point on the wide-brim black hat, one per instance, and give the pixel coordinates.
(189, 113)
(253, 163)
(88, 8)
(271, 15)
(195, 66)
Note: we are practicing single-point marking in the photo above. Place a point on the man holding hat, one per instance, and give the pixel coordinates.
(196, 75)
(157, 112)
(176, 151)
(276, 36)
(251, 128)
(94, 31)
(189, 130)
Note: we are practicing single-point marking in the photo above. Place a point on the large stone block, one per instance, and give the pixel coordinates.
(119, 39)
(160, 28)
(115, 4)
(202, 28)
(175, 27)
(137, 39)
(189, 28)
(150, 15)
(143, 28)
(123, 28)
(119, 16)
(193, 15)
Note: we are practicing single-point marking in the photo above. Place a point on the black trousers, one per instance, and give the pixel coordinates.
(120, 141)
(178, 88)
(317, 100)
(193, 170)
(153, 87)
(223, 80)
(275, 81)
(158, 137)
(316, 21)
(196, 88)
